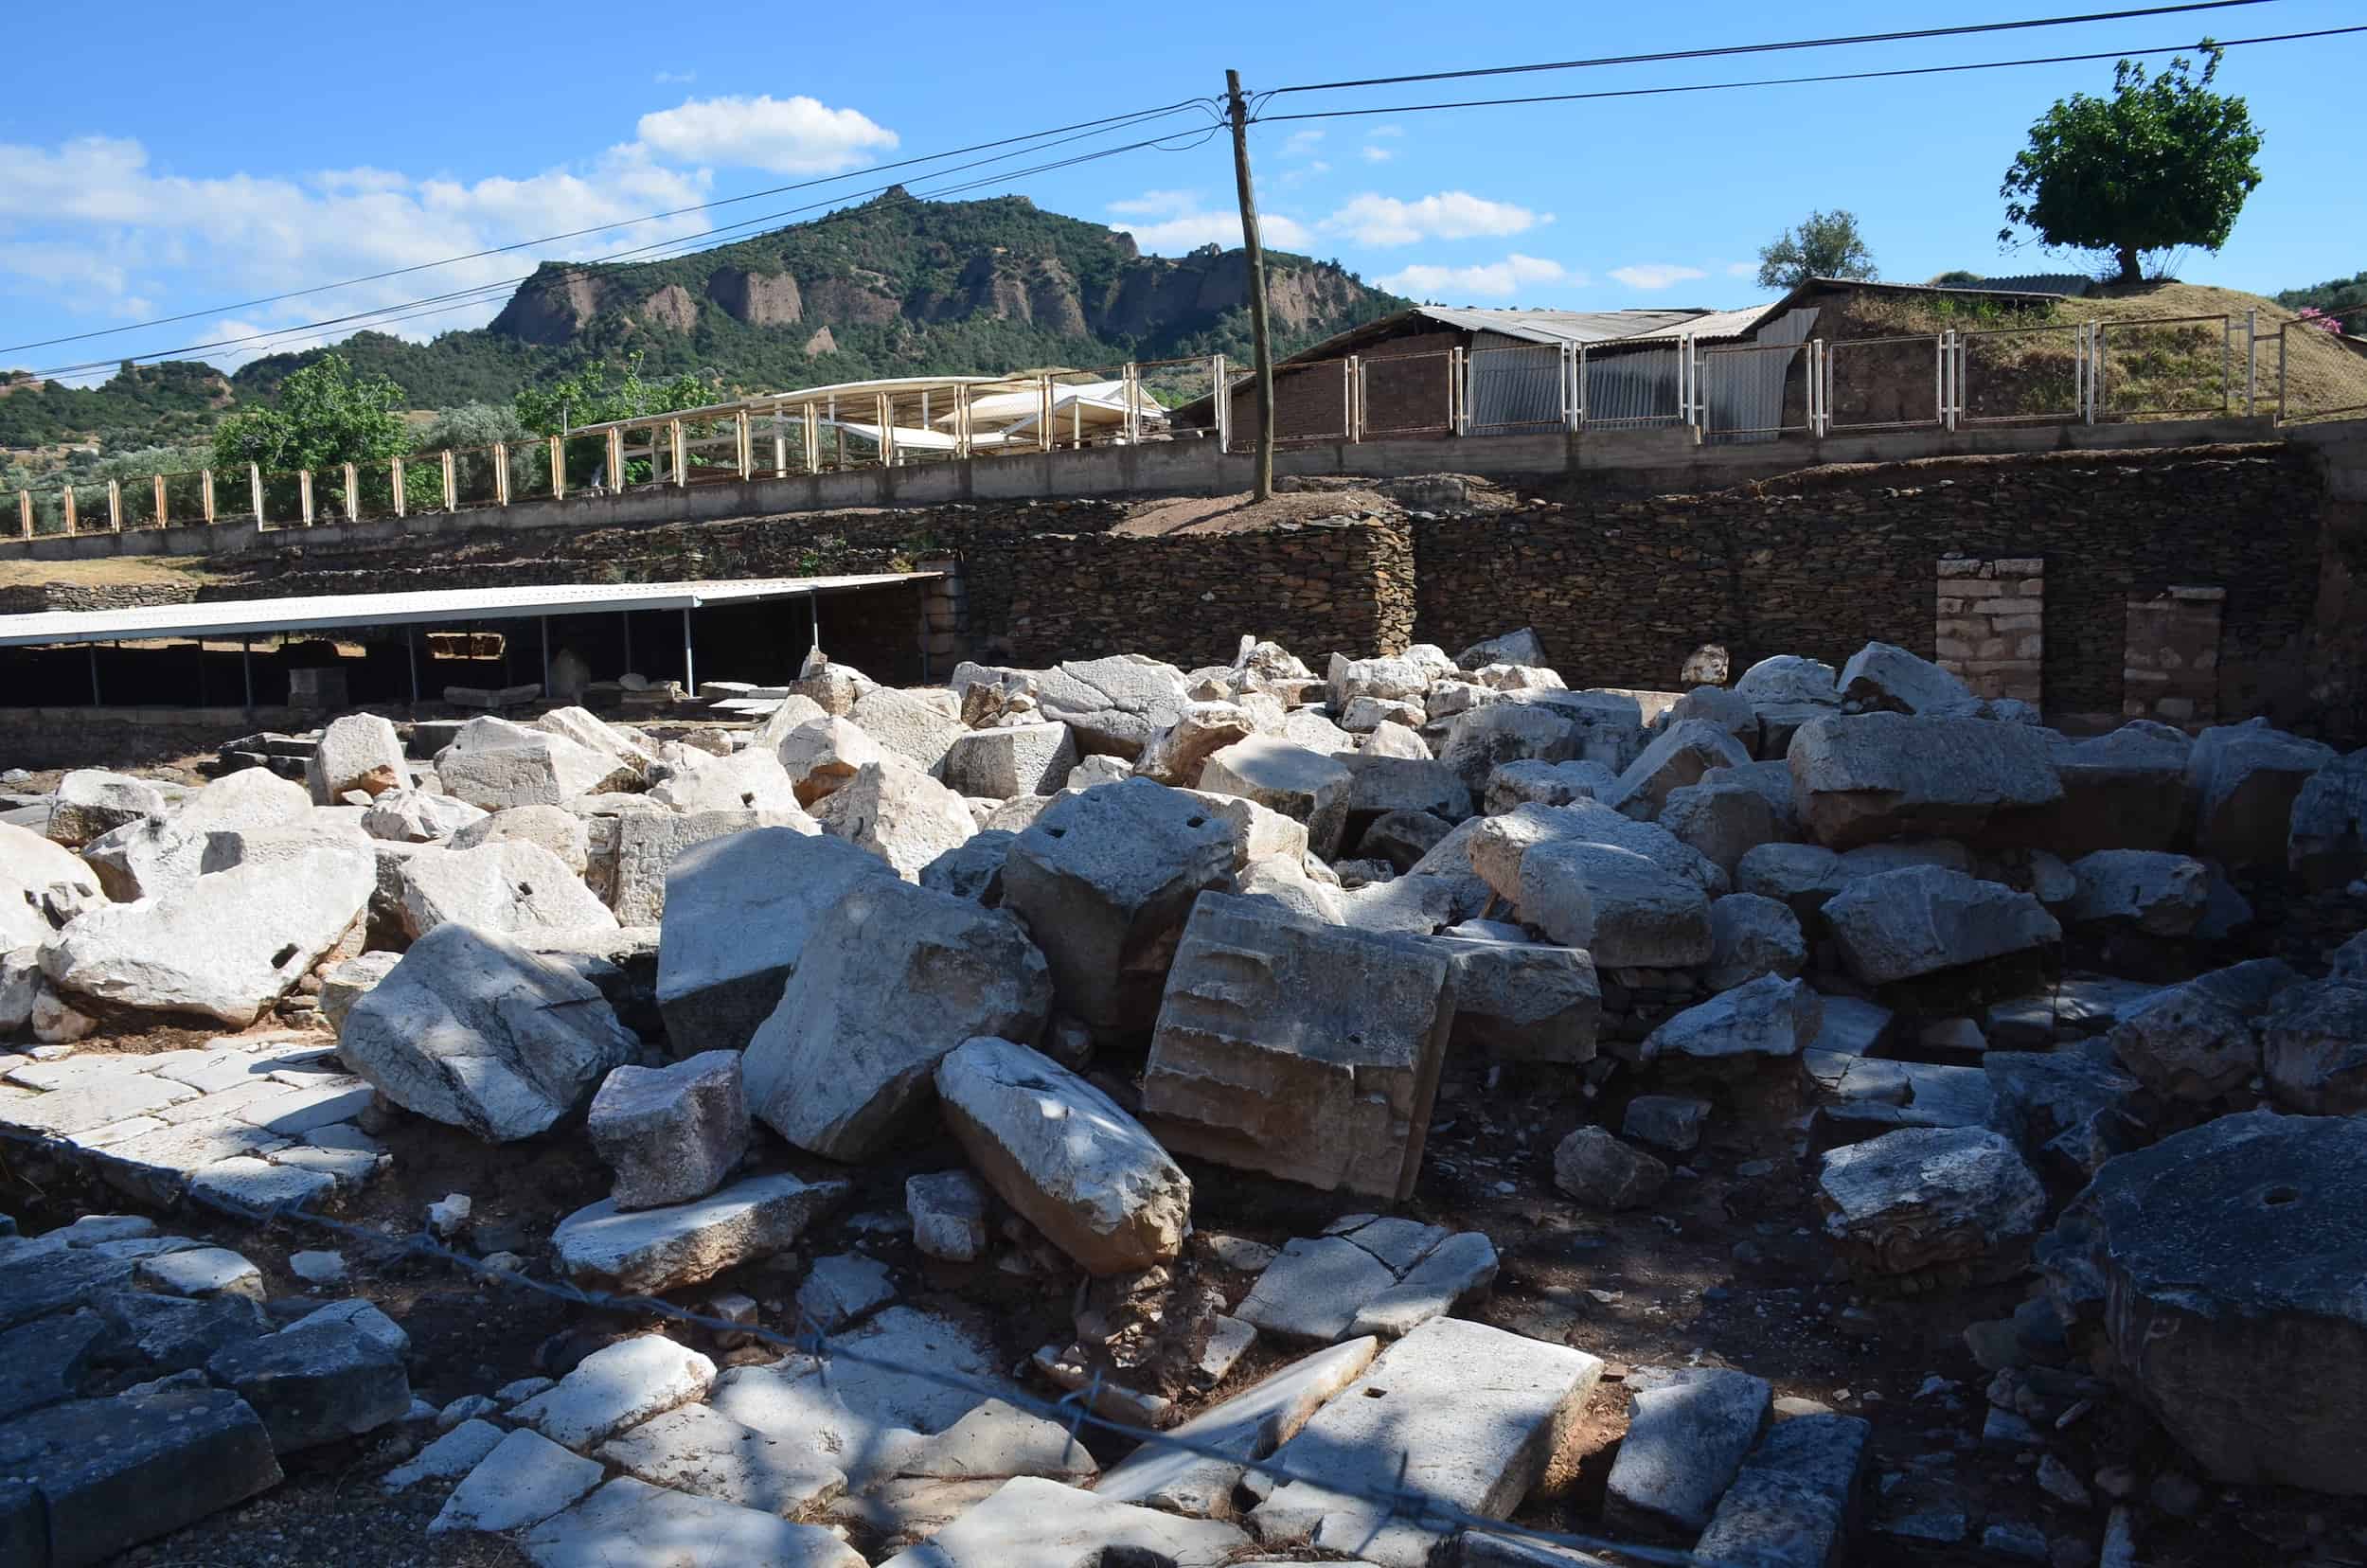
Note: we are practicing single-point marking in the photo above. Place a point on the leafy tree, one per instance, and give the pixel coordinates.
(325, 415)
(1827, 245)
(2336, 294)
(468, 426)
(1955, 277)
(2163, 162)
(589, 397)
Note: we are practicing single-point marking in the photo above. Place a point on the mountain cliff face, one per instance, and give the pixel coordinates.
(900, 285)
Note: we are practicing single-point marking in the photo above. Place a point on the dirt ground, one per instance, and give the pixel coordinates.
(1238, 513)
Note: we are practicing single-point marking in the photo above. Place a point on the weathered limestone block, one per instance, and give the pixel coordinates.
(647, 1251)
(494, 764)
(91, 801)
(1751, 935)
(897, 812)
(896, 977)
(1922, 919)
(1104, 880)
(2242, 781)
(359, 751)
(2122, 791)
(2161, 894)
(670, 1133)
(1617, 904)
(2313, 1048)
(1595, 1168)
(2201, 1040)
(1306, 786)
(739, 911)
(649, 843)
(1722, 817)
(748, 780)
(1928, 1197)
(1012, 759)
(1880, 776)
(2328, 846)
(1525, 1000)
(1065, 1157)
(1766, 1017)
(1884, 677)
(514, 887)
(1307, 1051)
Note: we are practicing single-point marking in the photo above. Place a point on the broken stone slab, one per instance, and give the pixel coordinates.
(650, 1250)
(630, 1520)
(149, 858)
(2327, 845)
(358, 750)
(1401, 838)
(2036, 1097)
(1456, 1271)
(1512, 647)
(494, 764)
(844, 1289)
(2220, 1266)
(1314, 1289)
(897, 812)
(1767, 1016)
(1672, 1122)
(1751, 935)
(2313, 1048)
(1596, 1169)
(1617, 904)
(524, 1479)
(513, 888)
(739, 910)
(1802, 877)
(2242, 781)
(649, 843)
(1030, 1519)
(1789, 679)
(748, 780)
(1463, 1414)
(1923, 918)
(455, 1454)
(933, 1480)
(365, 1318)
(2159, 894)
(586, 728)
(471, 1031)
(1306, 786)
(111, 1473)
(91, 801)
(897, 976)
(1525, 1000)
(203, 1272)
(43, 1361)
(1689, 1430)
(1258, 834)
(226, 946)
(1104, 880)
(822, 754)
(906, 729)
(314, 1385)
(1881, 776)
(973, 868)
(617, 1387)
(1307, 1051)
(2126, 790)
(1176, 755)
(1925, 1197)
(1247, 1427)
(1065, 1157)
(1884, 677)
(348, 982)
(1497, 847)
(258, 1186)
(2200, 1041)
(1679, 756)
(670, 1133)
(698, 1450)
(561, 832)
(1534, 783)
(949, 1215)
(1795, 1501)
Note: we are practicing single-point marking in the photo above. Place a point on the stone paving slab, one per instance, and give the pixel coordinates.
(629, 1522)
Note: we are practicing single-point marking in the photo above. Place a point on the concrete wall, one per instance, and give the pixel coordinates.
(1641, 461)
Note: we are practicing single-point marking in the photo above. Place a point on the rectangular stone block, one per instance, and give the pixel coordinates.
(1307, 1051)
(2016, 606)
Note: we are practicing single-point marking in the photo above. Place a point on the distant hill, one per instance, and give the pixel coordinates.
(894, 286)
(2340, 294)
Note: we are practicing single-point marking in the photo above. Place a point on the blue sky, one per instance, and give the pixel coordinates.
(176, 161)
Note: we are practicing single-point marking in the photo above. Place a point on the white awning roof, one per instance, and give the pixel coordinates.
(329, 611)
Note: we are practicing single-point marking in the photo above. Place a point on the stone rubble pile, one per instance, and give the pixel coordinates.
(743, 966)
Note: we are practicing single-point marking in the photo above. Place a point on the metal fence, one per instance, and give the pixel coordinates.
(2086, 372)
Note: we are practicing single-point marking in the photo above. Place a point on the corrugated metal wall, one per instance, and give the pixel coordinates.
(1514, 385)
(1742, 388)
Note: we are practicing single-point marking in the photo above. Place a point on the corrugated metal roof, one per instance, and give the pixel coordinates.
(1562, 326)
(326, 612)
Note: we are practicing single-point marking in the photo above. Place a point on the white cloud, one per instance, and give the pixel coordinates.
(1655, 275)
(793, 136)
(674, 79)
(1489, 281)
(1742, 269)
(1450, 215)
(1157, 204)
(1377, 154)
(1189, 226)
(1299, 143)
(1379, 132)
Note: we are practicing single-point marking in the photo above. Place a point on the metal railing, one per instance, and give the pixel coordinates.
(2083, 372)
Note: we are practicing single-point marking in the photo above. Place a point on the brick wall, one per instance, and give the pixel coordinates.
(1991, 626)
(1823, 561)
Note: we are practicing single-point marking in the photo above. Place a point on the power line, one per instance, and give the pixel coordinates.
(1074, 1410)
(1805, 80)
(1770, 48)
(1106, 121)
(681, 244)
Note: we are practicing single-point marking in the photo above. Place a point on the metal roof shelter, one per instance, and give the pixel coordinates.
(244, 618)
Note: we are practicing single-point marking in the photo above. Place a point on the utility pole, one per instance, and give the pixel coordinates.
(1255, 252)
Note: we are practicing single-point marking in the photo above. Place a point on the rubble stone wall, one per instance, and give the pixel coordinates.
(1821, 563)
(32, 599)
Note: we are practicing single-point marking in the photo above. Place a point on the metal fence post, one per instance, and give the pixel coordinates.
(1580, 424)
(1458, 393)
(397, 477)
(1219, 403)
(2095, 381)
(682, 463)
(501, 473)
(164, 506)
(2284, 351)
(254, 490)
(2252, 360)
(1133, 377)
(205, 493)
(24, 514)
(115, 505)
(452, 482)
(303, 495)
(65, 499)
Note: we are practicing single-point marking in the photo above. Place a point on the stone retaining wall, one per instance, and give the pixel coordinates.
(32, 599)
(1821, 562)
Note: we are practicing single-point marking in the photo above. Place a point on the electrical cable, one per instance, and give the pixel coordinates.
(1665, 55)
(1803, 81)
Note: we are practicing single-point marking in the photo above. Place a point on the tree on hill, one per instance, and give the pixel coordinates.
(1825, 244)
(592, 396)
(2163, 162)
(2333, 296)
(325, 414)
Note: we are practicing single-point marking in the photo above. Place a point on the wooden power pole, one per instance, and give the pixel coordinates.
(1255, 251)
